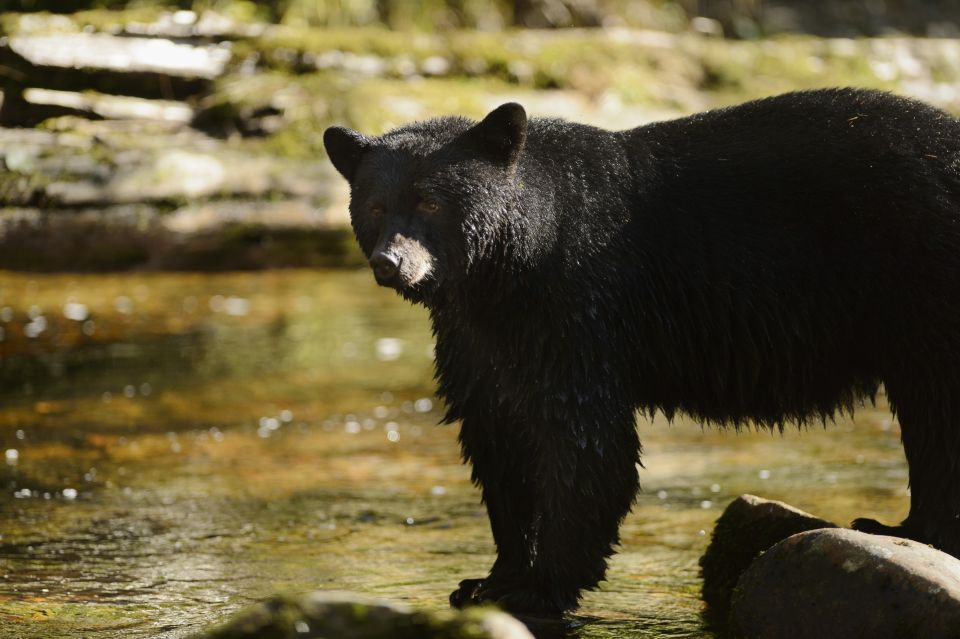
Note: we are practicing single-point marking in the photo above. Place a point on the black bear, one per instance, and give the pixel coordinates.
(763, 264)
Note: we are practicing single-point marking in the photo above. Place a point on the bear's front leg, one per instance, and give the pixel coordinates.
(556, 491)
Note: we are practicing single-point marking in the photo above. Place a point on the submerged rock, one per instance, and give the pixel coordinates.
(346, 616)
(748, 526)
(842, 583)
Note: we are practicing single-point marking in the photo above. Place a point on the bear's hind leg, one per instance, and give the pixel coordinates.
(930, 429)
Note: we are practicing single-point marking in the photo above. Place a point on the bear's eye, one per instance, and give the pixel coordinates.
(428, 206)
(376, 210)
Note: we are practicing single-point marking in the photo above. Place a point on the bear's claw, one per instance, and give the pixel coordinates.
(511, 596)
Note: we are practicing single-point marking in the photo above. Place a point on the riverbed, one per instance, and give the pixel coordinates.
(179, 445)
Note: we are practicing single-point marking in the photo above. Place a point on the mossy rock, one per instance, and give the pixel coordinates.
(346, 616)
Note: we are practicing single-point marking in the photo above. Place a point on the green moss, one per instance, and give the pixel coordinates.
(734, 71)
(277, 43)
(338, 616)
(49, 619)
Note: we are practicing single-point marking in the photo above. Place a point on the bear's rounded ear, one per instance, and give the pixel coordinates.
(345, 147)
(501, 134)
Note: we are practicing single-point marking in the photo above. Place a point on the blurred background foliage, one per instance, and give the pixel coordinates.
(737, 18)
(188, 134)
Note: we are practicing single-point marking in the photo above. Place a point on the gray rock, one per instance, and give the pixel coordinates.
(108, 52)
(106, 162)
(156, 68)
(346, 616)
(112, 106)
(845, 584)
(214, 216)
(747, 527)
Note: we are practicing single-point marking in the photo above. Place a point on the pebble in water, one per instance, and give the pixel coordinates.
(35, 326)
(267, 426)
(70, 493)
(123, 305)
(393, 431)
(236, 306)
(12, 455)
(76, 312)
(388, 349)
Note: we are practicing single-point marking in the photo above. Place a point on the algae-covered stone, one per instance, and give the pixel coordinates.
(345, 616)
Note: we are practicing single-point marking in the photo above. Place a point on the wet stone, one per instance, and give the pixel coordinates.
(830, 583)
(749, 526)
(347, 616)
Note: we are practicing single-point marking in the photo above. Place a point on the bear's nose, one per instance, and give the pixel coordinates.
(384, 266)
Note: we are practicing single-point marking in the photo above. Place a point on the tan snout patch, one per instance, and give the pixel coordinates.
(416, 262)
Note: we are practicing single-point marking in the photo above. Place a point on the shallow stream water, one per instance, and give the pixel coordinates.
(176, 446)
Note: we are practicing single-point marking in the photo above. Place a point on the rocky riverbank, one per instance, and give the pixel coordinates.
(176, 140)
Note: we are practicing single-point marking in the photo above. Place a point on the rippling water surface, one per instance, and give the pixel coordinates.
(177, 445)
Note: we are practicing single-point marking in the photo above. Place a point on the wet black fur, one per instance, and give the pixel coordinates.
(763, 264)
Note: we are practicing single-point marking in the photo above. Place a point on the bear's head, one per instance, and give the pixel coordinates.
(431, 200)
